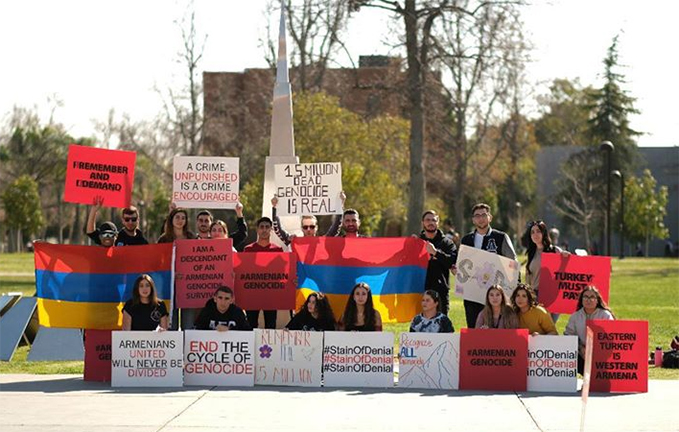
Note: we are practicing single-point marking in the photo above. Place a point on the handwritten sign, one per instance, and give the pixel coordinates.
(219, 358)
(200, 267)
(265, 280)
(309, 189)
(563, 278)
(478, 270)
(92, 172)
(552, 363)
(429, 360)
(147, 359)
(493, 359)
(353, 359)
(288, 358)
(619, 356)
(205, 182)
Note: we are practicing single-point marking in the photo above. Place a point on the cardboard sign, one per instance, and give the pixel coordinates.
(429, 360)
(93, 172)
(309, 189)
(552, 363)
(478, 270)
(219, 358)
(97, 355)
(200, 267)
(205, 182)
(288, 358)
(619, 356)
(147, 359)
(493, 359)
(265, 280)
(563, 278)
(353, 359)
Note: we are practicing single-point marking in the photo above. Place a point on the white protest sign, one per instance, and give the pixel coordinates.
(288, 358)
(478, 270)
(552, 363)
(219, 358)
(309, 189)
(353, 359)
(429, 360)
(146, 359)
(205, 182)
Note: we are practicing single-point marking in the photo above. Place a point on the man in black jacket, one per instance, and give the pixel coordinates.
(442, 255)
(486, 238)
(221, 314)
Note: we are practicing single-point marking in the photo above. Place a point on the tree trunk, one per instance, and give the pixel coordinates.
(415, 99)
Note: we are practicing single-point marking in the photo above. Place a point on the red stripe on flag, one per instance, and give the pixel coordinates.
(361, 252)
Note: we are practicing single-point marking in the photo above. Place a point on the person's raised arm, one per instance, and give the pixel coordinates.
(334, 229)
(277, 227)
(241, 227)
(92, 216)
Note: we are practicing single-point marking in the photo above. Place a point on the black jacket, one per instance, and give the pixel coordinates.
(438, 270)
(495, 241)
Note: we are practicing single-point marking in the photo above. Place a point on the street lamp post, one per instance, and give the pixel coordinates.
(142, 217)
(607, 148)
(518, 224)
(620, 175)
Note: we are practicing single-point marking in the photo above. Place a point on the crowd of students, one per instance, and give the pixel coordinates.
(145, 312)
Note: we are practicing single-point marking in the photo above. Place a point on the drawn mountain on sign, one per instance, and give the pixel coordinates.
(436, 372)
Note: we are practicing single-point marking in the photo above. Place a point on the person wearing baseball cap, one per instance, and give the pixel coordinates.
(107, 234)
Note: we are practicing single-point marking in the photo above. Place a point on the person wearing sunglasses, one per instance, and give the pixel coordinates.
(591, 306)
(108, 235)
(309, 223)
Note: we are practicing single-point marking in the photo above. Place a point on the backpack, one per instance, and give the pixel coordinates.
(670, 359)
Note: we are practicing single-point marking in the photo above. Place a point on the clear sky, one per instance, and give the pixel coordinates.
(95, 55)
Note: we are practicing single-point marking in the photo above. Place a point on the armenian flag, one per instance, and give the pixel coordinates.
(395, 268)
(87, 286)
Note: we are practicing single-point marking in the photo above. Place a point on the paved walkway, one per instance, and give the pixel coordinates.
(67, 403)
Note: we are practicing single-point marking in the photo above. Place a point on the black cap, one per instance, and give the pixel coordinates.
(108, 227)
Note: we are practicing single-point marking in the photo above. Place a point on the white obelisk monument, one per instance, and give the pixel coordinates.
(282, 144)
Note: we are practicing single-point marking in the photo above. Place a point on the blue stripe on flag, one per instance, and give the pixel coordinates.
(341, 280)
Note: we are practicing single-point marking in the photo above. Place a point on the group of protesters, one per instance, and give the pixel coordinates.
(521, 310)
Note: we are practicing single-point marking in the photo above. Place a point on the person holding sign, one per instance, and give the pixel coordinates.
(442, 255)
(533, 317)
(490, 240)
(431, 319)
(176, 227)
(221, 314)
(263, 244)
(219, 230)
(591, 306)
(497, 313)
(203, 223)
(538, 244)
(130, 235)
(309, 223)
(314, 315)
(144, 311)
(359, 313)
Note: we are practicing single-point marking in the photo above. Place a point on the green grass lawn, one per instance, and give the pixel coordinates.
(641, 289)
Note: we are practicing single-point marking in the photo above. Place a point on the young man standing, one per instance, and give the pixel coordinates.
(351, 222)
(489, 239)
(263, 244)
(130, 235)
(222, 314)
(442, 255)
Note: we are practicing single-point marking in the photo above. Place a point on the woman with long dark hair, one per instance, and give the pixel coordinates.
(591, 306)
(497, 313)
(176, 227)
(431, 319)
(144, 311)
(314, 315)
(359, 313)
(532, 316)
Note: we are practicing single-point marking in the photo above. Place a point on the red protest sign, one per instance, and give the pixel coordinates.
(493, 359)
(97, 355)
(200, 267)
(265, 280)
(619, 356)
(562, 279)
(93, 172)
